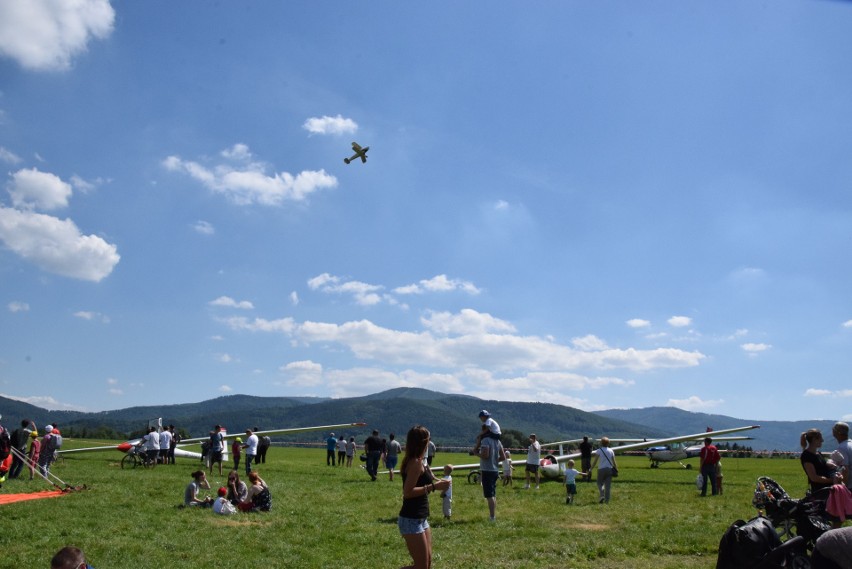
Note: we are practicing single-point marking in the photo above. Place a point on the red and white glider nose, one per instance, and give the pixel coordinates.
(124, 447)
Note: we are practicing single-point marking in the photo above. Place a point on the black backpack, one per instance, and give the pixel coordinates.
(756, 545)
(5, 444)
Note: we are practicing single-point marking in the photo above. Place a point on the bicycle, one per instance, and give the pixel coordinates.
(136, 456)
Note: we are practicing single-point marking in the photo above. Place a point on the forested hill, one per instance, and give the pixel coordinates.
(452, 419)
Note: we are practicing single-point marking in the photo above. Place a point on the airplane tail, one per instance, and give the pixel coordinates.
(346, 160)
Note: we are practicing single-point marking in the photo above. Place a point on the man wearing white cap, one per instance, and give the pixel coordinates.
(48, 448)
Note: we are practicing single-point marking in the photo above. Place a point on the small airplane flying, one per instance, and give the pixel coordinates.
(551, 466)
(127, 446)
(359, 153)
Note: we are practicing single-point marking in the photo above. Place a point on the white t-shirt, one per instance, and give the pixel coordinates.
(845, 449)
(534, 453)
(492, 426)
(165, 439)
(223, 506)
(152, 441)
(341, 445)
(606, 457)
(251, 445)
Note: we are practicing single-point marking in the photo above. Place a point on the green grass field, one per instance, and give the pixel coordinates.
(336, 517)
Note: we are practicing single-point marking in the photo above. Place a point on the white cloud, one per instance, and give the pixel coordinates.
(294, 298)
(225, 388)
(203, 227)
(589, 343)
(679, 321)
(813, 392)
(225, 358)
(8, 156)
(85, 186)
(88, 315)
(364, 294)
(115, 391)
(754, 348)
(45, 402)
(501, 204)
(330, 125)
(47, 34)
(367, 341)
(638, 323)
(229, 302)
(17, 306)
(847, 324)
(251, 184)
(694, 403)
(439, 283)
(33, 189)
(467, 321)
(238, 151)
(57, 245)
(303, 373)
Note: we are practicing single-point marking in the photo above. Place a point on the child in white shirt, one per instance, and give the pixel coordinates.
(571, 481)
(447, 494)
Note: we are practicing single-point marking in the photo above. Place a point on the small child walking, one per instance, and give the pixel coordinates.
(571, 481)
(507, 469)
(447, 494)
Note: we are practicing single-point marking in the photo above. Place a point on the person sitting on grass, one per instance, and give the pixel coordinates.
(258, 497)
(237, 489)
(190, 495)
(222, 505)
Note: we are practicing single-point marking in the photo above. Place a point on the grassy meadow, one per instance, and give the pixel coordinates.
(336, 517)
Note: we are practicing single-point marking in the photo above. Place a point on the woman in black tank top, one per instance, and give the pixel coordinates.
(417, 483)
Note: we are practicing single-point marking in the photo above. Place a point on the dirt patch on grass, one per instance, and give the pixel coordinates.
(590, 527)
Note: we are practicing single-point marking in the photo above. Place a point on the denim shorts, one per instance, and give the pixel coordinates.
(390, 461)
(409, 526)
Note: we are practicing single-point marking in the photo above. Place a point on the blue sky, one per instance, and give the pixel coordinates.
(592, 204)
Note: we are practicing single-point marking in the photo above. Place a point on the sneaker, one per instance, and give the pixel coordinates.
(536, 486)
(527, 487)
(601, 501)
(567, 500)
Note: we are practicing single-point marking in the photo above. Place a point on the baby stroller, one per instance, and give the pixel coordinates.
(806, 517)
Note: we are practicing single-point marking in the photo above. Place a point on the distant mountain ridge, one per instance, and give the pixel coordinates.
(451, 418)
(772, 435)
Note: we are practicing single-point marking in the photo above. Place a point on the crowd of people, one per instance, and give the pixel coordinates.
(418, 477)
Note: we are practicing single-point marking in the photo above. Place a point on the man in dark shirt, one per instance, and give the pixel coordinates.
(586, 457)
(373, 449)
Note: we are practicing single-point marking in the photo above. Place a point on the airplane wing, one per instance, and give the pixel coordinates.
(619, 449)
(183, 442)
(89, 449)
(278, 432)
(578, 441)
(356, 147)
(364, 158)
